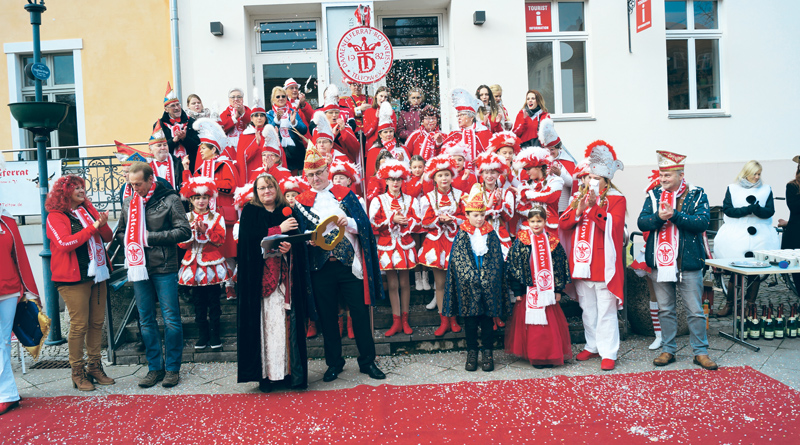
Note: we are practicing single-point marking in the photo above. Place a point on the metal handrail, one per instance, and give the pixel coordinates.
(70, 147)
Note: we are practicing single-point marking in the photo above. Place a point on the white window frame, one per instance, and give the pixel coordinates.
(49, 91)
(690, 35)
(555, 38)
(439, 21)
(14, 53)
(282, 18)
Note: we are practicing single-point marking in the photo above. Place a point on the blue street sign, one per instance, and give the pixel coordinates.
(37, 71)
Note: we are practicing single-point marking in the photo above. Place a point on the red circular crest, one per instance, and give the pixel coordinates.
(665, 253)
(582, 250)
(364, 54)
(134, 253)
(544, 278)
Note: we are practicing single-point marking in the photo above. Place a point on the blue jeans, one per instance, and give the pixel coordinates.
(164, 287)
(691, 289)
(8, 388)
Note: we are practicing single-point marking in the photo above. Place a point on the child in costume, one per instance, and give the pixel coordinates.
(392, 214)
(203, 267)
(475, 288)
(416, 187)
(539, 331)
(540, 187)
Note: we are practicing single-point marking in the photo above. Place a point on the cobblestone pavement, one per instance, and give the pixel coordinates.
(779, 359)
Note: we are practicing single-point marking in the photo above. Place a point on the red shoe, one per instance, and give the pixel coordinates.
(312, 329)
(443, 327)
(454, 325)
(350, 333)
(341, 325)
(499, 322)
(406, 327)
(607, 364)
(230, 293)
(586, 355)
(5, 406)
(397, 326)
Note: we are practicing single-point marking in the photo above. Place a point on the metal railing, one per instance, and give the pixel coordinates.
(104, 180)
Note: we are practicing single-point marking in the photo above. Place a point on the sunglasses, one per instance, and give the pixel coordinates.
(280, 96)
(236, 97)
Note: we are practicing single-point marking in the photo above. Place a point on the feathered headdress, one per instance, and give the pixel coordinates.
(258, 104)
(437, 164)
(489, 160)
(294, 184)
(547, 133)
(242, 195)
(392, 168)
(603, 159)
(504, 139)
(532, 157)
(339, 167)
(457, 148)
(323, 127)
(210, 132)
(464, 102)
(199, 185)
(331, 98)
(271, 142)
(385, 114)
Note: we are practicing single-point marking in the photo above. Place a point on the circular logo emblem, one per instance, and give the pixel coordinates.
(134, 252)
(544, 278)
(582, 250)
(364, 54)
(665, 253)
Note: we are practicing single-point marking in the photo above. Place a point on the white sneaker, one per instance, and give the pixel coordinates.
(426, 285)
(432, 305)
(418, 279)
(657, 343)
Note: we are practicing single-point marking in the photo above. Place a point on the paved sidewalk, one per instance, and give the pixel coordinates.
(777, 359)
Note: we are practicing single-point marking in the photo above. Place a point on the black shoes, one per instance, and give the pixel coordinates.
(488, 360)
(332, 373)
(152, 378)
(472, 361)
(264, 385)
(171, 378)
(373, 372)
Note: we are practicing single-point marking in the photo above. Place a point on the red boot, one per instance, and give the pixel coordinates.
(397, 325)
(499, 322)
(443, 327)
(230, 293)
(341, 325)
(312, 329)
(454, 325)
(406, 327)
(350, 333)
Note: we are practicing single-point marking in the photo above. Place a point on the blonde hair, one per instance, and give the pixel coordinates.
(496, 89)
(276, 90)
(749, 169)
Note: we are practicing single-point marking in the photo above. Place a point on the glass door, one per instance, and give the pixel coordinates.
(274, 75)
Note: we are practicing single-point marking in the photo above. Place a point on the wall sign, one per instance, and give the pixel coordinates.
(364, 55)
(19, 185)
(643, 15)
(538, 17)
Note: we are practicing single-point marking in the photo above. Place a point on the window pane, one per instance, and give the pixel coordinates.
(412, 31)
(409, 73)
(677, 75)
(288, 36)
(68, 130)
(540, 71)
(707, 52)
(64, 71)
(705, 15)
(27, 81)
(675, 14)
(573, 77)
(570, 16)
(276, 75)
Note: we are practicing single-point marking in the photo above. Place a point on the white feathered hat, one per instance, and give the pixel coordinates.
(331, 95)
(547, 133)
(603, 159)
(323, 127)
(339, 167)
(210, 132)
(271, 142)
(385, 114)
(392, 168)
(465, 102)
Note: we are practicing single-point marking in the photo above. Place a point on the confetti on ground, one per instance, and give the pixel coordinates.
(732, 405)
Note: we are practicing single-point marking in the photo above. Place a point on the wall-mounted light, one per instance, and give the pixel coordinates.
(479, 18)
(216, 28)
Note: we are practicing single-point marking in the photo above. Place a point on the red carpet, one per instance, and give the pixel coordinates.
(732, 405)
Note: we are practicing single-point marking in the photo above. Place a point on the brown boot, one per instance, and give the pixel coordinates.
(95, 372)
(705, 362)
(79, 379)
(664, 359)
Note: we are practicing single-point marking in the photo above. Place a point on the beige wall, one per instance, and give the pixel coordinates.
(126, 62)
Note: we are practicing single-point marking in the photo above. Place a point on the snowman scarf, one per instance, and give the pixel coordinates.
(285, 126)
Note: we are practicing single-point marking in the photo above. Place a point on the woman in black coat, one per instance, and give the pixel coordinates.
(270, 310)
(791, 228)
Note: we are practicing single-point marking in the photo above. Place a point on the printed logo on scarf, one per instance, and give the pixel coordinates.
(134, 252)
(583, 250)
(666, 253)
(544, 278)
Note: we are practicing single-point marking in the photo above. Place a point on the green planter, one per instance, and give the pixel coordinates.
(39, 117)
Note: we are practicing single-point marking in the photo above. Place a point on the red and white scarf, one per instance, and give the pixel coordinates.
(170, 174)
(667, 247)
(97, 253)
(207, 169)
(468, 138)
(428, 148)
(542, 293)
(136, 236)
(285, 126)
(127, 191)
(583, 247)
(175, 126)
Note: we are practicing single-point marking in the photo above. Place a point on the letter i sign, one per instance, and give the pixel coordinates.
(643, 15)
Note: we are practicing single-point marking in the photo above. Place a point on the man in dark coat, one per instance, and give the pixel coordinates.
(177, 126)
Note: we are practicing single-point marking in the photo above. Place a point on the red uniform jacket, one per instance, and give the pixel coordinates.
(20, 260)
(64, 262)
(371, 125)
(527, 128)
(226, 120)
(416, 140)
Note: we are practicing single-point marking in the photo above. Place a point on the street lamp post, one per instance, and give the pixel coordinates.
(40, 118)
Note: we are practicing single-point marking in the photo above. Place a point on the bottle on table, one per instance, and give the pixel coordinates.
(769, 325)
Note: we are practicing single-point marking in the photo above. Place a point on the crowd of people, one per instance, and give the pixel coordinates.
(501, 215)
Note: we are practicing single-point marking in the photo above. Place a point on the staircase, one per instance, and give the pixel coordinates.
(423, 321)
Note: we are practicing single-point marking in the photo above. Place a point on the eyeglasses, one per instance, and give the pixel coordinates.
(235, 97)
(320, 174)
(280, 96)
(263, 189)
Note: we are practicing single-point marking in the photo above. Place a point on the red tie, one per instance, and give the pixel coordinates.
(395, 205)
(162, 163)
(445, 201)
(175, 121)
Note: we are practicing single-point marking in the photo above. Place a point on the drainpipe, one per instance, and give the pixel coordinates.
(176, 47)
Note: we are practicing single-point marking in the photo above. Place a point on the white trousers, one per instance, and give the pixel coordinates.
(8, 388)
(600, 324)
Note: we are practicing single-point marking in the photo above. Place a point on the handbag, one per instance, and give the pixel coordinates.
(31, 326)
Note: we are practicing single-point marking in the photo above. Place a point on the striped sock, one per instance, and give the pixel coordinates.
(654, 316)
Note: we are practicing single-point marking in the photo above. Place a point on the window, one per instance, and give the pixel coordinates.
(412, 31)
(60, 87)
(693, 57)
(556, 42)
(288, 36)
(305, 74)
